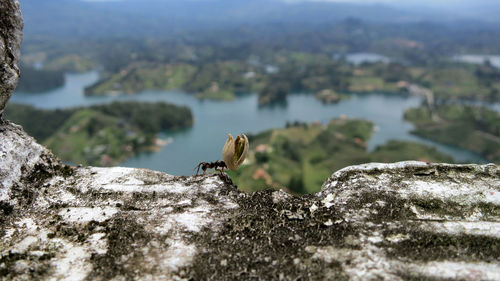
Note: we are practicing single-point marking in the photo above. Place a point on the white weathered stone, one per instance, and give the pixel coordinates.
(20, 156)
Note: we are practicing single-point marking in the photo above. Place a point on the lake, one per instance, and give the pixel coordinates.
(478, 59)
(215, 119)
(359, 58)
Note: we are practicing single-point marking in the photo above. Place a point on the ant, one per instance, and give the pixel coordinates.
(210, 165)
(215, 165)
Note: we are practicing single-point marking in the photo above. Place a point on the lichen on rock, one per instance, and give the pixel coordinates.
(111, 222)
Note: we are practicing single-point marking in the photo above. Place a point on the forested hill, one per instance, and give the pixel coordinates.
(100, 135)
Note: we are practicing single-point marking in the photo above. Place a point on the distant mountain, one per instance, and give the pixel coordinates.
(156, 17)
(139, 18)
(482, 10)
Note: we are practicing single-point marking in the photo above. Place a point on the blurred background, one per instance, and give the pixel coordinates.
(316, 85)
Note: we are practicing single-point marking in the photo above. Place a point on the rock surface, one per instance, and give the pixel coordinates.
(11, 26)
(401, 221)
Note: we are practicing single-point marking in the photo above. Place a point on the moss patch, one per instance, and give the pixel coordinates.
(125, 238)
(418, 277)
(267, 240)
(428, 246)
(37, 272)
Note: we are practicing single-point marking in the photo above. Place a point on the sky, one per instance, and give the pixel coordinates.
(449, 3)
(397, 2)
(392, 2)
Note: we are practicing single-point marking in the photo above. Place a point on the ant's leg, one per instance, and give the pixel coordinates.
(198, 168)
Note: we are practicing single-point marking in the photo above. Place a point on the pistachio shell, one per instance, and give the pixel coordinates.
(228, 151)
(235, 151)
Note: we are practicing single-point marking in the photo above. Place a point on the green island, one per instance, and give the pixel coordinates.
(302, 72)
(328, 96)
(101, 135)
(471, 127)
(221, 81)
(302, 156)
(49, 75)
(287, 72)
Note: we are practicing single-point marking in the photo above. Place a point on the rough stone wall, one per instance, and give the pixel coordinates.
(401, 221)
(11, 26)
(24, 164)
